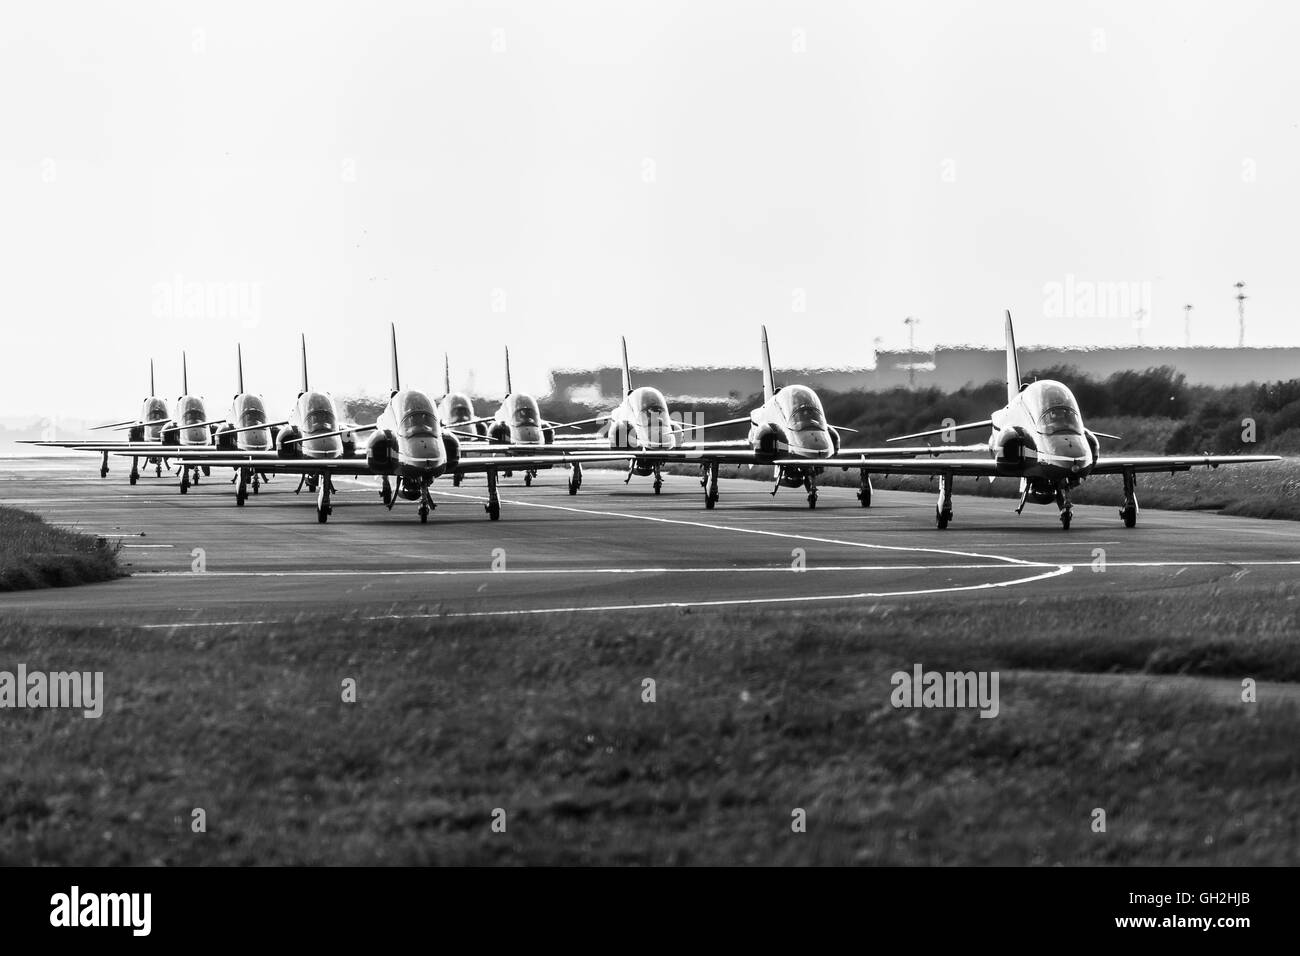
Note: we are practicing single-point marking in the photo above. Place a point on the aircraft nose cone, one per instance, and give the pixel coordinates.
(811, 443)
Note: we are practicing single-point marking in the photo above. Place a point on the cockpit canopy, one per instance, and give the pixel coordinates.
(318, 413)
(649, 401)
(418, 418)
(803, 409)
(190, 411)
(524, 412)
(1057, 411)
(249, 411)
(457, 408)
(153, 410)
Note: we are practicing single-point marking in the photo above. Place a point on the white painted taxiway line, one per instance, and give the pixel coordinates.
(792, 536)
(459, 572)
(665, 605)
(774, 569)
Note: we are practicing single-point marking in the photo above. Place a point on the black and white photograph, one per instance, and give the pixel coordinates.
(559, 433)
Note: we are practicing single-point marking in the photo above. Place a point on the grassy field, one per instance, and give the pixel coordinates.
(35, 555)
(755, 715)
(1265, 490)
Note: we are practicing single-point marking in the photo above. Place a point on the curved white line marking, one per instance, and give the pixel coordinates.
(727, 602)
(1054, 572)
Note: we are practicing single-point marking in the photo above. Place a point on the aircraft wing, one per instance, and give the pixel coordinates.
(915, 451)
(1116, 466)
(275, 465)
(137, 448)
(519, 462)
(975, 467)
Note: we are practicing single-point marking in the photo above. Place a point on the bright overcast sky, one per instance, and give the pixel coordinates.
(551, 175)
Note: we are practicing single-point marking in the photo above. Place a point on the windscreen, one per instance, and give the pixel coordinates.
(525, 413)
(418, 416)
(805, 410)
(251, 413)
(318, 414)
(1060, 414)
(191, 412)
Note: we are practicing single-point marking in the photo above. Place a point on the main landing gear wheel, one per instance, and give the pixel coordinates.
(1065, 519)
(424, 514)
(528, 479)
(103, 469)
(134, 477)
(386, 494)
(241, 492)
(323, 507)
(709, 479)
(864, 490)
(456, 479)
(185, 481)
(493, 507)
(943, 509)
(1129, 512)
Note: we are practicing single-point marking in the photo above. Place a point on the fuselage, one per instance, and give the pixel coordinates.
(519, 421)
(191, 416)
(153, 410)
(792, 422)
(1043, 430)
(643, 422)
(313, 414)
(412, 419)
(248, 411)
(456, 408)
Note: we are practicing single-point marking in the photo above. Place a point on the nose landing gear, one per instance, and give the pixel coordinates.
(943, 510)
(493, 507)
(1063, 502)
(709, 479)
(426, 502)
(323, 507)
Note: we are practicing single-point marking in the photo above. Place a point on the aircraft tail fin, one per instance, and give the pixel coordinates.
(185, 376)
(304, 363)
(1013, 363)
(769, 382)
(509, 388)
(153, 390)
(397, 379)
(446, 373)
(627, 371)
(239, 367)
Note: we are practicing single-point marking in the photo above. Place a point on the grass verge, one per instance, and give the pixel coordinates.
(755, 715)
(35, 555)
